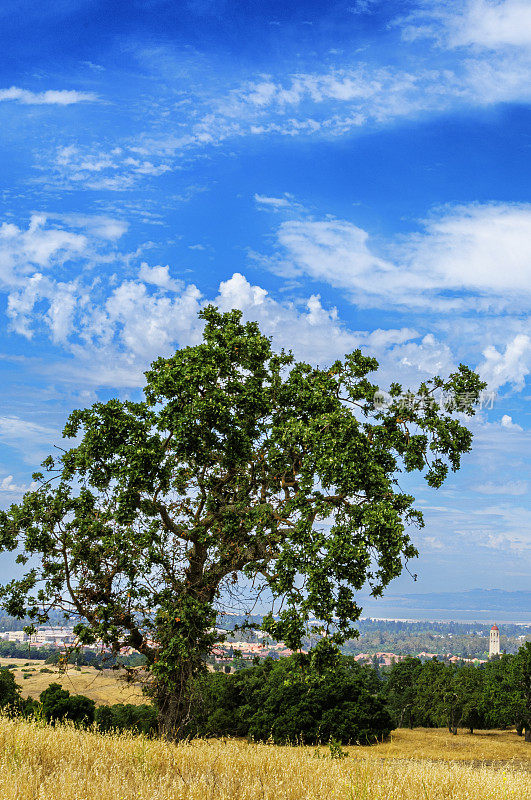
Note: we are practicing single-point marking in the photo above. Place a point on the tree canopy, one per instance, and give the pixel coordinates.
(239, 467)
(293, 700)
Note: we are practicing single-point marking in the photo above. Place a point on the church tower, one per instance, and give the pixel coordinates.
(494, 641)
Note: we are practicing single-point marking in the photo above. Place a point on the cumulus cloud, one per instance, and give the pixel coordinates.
(61, 97)
(159, 276)
(115, 328)
(508, 424)
(21, 251)
(9, 486)
(34, 259)
(45, 270)
(511, 366)
(483, 247)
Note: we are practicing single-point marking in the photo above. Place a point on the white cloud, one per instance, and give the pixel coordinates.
(334, 251)
(9, 486)
(136, 326)
(32, 261)
(511, 366)
(508, 424)
(62, 97)
(159, 276)
(484, 250)
(31, 439)
(21, 251)
(473, 54)
(480, 247)
(317, 335)
(100, 225)
(491, 24)
(272, 202)
(509, 526)
(513, 488)
(134, 320)
(430, 357)
(61, 300)
(116, 169)
(114, 332)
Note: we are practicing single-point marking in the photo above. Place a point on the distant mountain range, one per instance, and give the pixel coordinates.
(487, 600)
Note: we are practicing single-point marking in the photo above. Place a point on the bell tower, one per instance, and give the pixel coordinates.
(494, 641)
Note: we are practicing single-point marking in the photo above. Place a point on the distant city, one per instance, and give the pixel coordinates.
(380, 642)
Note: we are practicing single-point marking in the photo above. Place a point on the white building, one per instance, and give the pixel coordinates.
(494, 641)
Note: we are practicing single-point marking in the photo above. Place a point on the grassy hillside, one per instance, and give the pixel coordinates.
(105, 687)
(66, 764)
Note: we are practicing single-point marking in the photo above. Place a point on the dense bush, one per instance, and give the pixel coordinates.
(291, 700)
(58, 704)
(9, 690)
(119, 717)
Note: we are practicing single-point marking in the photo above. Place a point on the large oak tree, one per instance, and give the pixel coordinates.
(239, 466)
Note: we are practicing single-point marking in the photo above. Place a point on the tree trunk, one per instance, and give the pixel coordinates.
(528, 733)
(174, 704)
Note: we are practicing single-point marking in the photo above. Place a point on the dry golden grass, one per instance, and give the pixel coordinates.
(43, 763)
(104, 687)
(496, 747)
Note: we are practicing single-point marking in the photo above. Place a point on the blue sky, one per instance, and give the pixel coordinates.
(350, 174)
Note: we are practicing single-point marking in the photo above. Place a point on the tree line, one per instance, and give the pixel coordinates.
(434, 694)
(318, 697)
(74, 655)
(324, 695)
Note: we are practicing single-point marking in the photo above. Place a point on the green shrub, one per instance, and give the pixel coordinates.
(140, 718)
(58, 704)
(292, 700)
(9, 690)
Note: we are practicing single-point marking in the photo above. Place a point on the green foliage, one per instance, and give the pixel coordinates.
(336, 751)
(521, 675)
(9, 690)
(401, 689)
(229, 467)
(89, 658)
(290, 701)
(433, 694)
(58, 704)
(20, 650)
(466, 640)
(120, 717)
